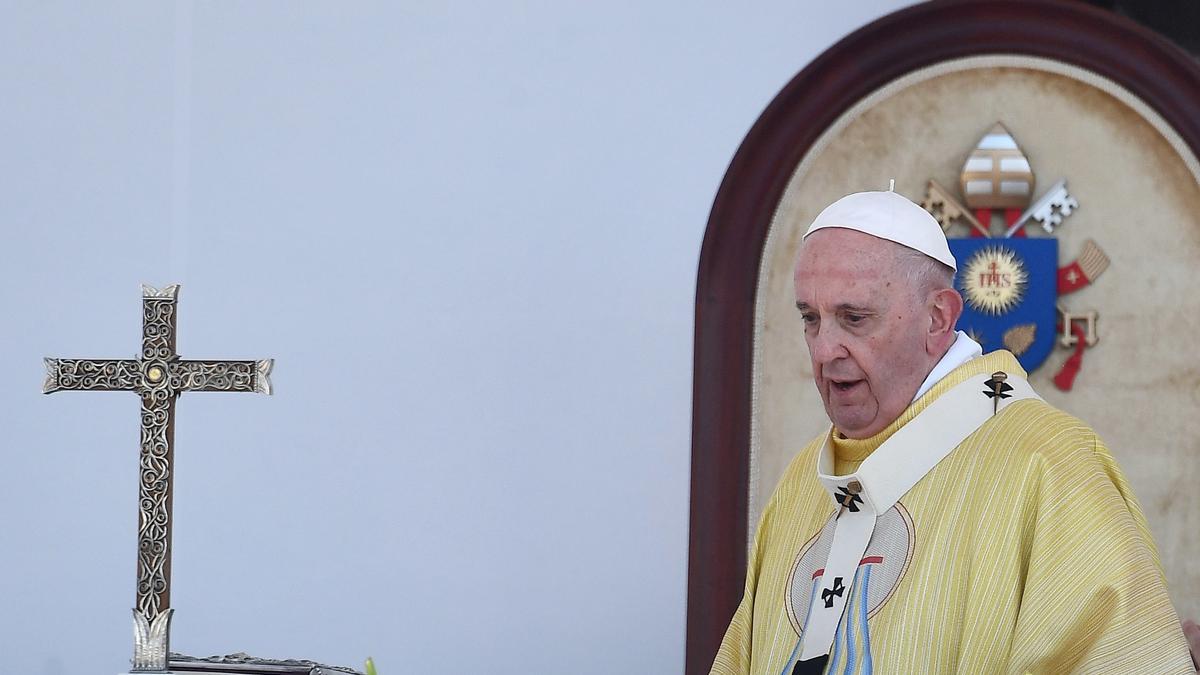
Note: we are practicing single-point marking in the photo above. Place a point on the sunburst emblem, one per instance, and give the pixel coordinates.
(994, 280)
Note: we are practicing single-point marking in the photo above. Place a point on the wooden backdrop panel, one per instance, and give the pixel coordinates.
(1148, 272)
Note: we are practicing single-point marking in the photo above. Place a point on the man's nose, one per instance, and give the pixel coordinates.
(827, 345)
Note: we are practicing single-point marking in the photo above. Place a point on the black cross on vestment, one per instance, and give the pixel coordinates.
(997, 389)
(828, 594)
(849, 500)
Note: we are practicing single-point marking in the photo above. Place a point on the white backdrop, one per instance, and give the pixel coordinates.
(468, 235)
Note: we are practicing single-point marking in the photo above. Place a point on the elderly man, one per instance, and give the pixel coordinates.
(950, 521)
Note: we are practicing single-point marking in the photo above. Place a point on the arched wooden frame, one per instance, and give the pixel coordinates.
(1147, 65)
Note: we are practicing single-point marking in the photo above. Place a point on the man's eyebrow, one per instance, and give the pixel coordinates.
(856, 309)
(844, 307)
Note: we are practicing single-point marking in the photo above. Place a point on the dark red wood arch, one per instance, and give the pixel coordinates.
(1149, 66)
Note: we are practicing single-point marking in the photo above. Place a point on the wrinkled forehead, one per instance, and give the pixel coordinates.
(838, 253)
(837, 267)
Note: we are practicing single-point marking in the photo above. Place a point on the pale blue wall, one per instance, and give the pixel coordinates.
(467, 233)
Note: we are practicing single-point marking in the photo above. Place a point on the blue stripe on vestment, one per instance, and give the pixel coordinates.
(868, 665)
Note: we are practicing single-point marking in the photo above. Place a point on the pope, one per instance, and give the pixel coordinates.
(950, 520)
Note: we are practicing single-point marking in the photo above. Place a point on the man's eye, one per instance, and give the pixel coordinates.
(855, 318)
(809, 318)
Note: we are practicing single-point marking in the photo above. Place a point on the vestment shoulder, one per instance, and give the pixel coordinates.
(1065, 454)
(1094, 598)
(1036, 428)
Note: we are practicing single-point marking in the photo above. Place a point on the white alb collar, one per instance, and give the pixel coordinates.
(964, 349)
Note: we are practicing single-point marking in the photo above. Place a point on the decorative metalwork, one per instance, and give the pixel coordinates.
(280, 665)
(91, 374)
(158, 377)
(251, 376)
(150, 640)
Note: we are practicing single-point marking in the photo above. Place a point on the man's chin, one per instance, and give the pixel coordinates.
(855, 435)
(852, 426)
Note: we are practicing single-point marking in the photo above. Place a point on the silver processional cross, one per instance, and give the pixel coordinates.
(158, 377)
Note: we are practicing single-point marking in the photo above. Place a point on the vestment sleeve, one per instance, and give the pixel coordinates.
(734, 656)
(1094, 597)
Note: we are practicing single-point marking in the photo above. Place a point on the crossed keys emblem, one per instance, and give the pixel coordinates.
(829, 593)
(1050, 209)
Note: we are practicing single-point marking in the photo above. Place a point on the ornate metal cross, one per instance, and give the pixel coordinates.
(158, 377)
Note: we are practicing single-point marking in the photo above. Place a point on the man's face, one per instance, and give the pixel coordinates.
(865, 325)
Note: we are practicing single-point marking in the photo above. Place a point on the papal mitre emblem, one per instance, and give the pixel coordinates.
(997, 173)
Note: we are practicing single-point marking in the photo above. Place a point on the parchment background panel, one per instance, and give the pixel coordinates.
(1140, 386)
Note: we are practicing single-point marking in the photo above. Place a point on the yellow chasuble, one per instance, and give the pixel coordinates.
(1022, 551)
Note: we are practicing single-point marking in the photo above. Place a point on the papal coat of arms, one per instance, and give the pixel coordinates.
(1012, 283)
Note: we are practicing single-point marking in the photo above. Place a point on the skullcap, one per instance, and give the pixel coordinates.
(888, 215)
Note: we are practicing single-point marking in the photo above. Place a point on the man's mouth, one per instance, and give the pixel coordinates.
(844, 385)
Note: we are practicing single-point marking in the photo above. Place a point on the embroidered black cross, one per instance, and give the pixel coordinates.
(849, 499)
(828, 594)
(997, 389)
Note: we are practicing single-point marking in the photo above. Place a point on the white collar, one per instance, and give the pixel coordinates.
(964, 349)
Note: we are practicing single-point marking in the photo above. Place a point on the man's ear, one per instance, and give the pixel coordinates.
(945, 306)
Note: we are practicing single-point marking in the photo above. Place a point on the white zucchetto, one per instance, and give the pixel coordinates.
(890, 216)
